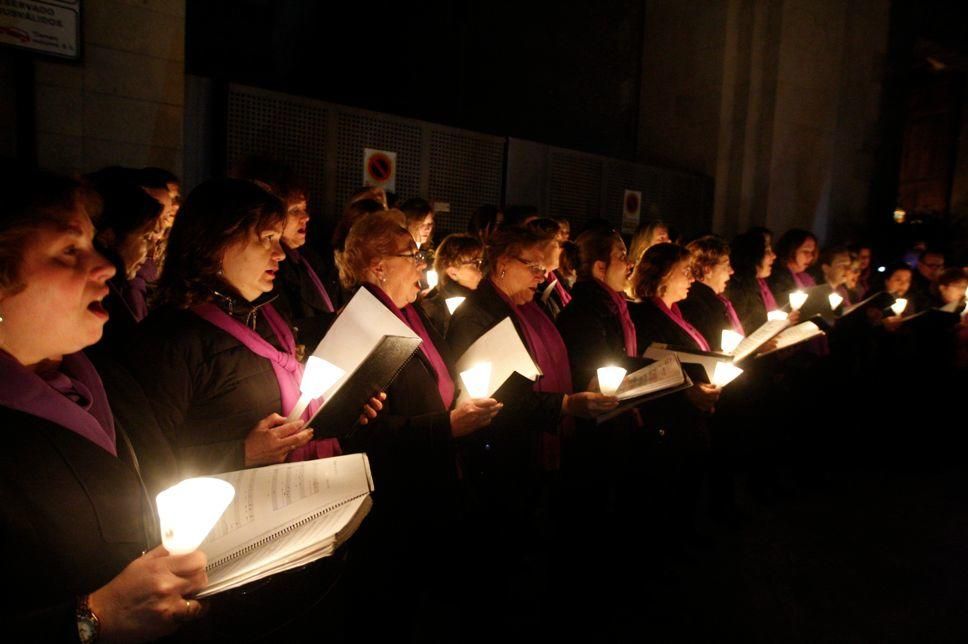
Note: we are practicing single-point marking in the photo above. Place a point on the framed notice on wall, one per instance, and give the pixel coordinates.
(52, 27)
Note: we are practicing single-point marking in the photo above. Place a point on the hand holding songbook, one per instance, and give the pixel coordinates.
(273, 438)
(704, 396)
(588, 404)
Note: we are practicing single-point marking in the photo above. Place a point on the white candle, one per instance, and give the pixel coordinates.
(835, 300)
(797, 298)
(431, 278)
(189, 510)
(609, 379)
(453, 302)
(899, 305)
(725, 373)
(477, 379)
(319, 376)
(776, 314)
(730, 340)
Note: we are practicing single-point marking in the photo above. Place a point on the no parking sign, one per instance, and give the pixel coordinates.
(380, 169)
(631, 209)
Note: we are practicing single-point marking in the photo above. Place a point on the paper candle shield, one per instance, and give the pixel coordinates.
(453, 302)
(609, 379)
(835, 300)
(319, 376)
(797, 298)
(432, 278)
(776, 314)
(189, 510)
(477, 380)
(899, 305)
(725, 373)
(730, 340)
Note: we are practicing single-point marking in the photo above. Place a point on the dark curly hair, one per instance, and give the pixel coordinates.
(654, 267)
(217, 214)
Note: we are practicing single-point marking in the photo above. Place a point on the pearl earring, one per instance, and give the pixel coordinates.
(503, 271)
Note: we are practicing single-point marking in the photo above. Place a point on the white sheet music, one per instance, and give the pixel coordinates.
(502, 347)
(658, 351)
(758, 338)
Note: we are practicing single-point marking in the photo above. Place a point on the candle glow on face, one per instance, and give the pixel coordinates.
(432, 278)
(835, 300)
(899, 305)
(453, 302)
(725, 373)
(797, 298)
(477, 379)
(610, 378)
(189, 510)
(776, 314)
(730, 340)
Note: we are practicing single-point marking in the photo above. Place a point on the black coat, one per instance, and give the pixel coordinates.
(592, 331)
(207, 390)
(781, 283)
(434, 306)
(744, 293)
(706, 312)
(301, 303)
(73, 516)
(552, 306)
(653, 325)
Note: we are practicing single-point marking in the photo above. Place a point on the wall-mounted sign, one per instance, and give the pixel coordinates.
(52, 27)
(380, 169)
(631, 209)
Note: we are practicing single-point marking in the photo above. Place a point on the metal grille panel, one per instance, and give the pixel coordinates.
(576, 187)
(358, 131)
(280, 128)
(465, 171)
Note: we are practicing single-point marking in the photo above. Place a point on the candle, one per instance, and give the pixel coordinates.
(189, 510)
(776, 314)
(797, 298)
(453, 302)
(477, 379)
(609, 379)
(725, 373)
(431, 278)
(899, 305)
(730, 340)
(835, 300)
(319, 376)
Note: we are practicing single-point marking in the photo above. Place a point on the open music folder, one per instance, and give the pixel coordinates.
(661, 378)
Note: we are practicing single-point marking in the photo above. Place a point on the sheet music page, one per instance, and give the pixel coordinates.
(853, 307)
(502, 347)
(354, 334)
(758, 338)
(795, 335)
(657, 351)
(655, 377)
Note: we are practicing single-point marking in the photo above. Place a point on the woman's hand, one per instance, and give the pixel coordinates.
(793, 317)
(372, 408)
(768, 346)
(704, 396)
(148, 598)
(273, 438)
(588, 404)
(471, 415)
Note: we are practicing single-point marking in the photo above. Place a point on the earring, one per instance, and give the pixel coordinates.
(503, 272)
(1, 317)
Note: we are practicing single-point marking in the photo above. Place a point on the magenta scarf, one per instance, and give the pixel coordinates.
(731, 314)
(766, 295)
(71, 396)
(621, 309)
(287, 369)
(803, 280)
(544, 344)
(298, 260)
(445, 384)
(676, 316)
(563, 295)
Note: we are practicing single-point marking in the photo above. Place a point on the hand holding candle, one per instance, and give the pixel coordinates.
(319, 376)
(797, 298)
(609, 379)
(477, 379)
(453, 302)
(189, 510)
(730, 340)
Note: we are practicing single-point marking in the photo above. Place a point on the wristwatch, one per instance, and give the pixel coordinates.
(88, 625)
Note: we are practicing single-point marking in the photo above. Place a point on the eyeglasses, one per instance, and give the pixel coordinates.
(476, 263)
(417, 256)
(536, 268)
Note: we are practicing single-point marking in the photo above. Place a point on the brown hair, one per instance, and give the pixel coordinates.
(453, 250)
(374, 235)
(654, 269)
(706, 253)
(353, 212)
(595, 245)
(34, 200)
(952, 275)
(216, 215)
(511, 242)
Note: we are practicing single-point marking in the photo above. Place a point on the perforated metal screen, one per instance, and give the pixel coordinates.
(465, 172)
(576, 187)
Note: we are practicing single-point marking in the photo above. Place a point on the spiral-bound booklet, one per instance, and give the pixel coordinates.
(286, 516)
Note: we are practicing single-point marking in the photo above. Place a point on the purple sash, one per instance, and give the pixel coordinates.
(766, 295)
(731, 314)
(563, 295)
(287, 369)
(299, 260)
(72, 397)
(803, 280)
(676, 316)
(621, 309)
(445, 384)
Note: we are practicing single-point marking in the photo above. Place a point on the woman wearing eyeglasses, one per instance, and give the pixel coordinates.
(458, 264)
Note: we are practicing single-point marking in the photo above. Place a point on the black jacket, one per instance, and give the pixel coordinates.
(300, 303)
(652, 325)
(434, 306)
(744, 293)
(592, 331)
(553, 306)
(781, 283)
(706, 312)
